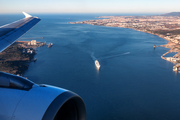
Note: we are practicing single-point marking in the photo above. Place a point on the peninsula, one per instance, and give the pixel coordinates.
(16, 57)
(166, 26)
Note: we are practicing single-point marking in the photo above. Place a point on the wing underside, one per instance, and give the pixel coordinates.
(11, 32)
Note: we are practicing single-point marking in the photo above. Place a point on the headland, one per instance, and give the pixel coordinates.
(16, 57)
(166, 26)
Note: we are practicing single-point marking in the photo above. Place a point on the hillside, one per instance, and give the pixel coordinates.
(172, 14)
(13, 61)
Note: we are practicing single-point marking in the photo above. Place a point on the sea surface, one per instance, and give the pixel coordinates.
(133, 81)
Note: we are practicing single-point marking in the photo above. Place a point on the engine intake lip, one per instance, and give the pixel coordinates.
(66, 106)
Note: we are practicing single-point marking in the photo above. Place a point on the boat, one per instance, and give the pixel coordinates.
(97, 64)
(154, 46)
(35, 59)
(50, 45)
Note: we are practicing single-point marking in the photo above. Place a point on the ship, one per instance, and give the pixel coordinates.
(50, 45)
(97, 64)
(154, 46)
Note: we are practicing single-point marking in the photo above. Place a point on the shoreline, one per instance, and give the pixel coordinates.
(164, 27)
(15, 58)
(176, 67)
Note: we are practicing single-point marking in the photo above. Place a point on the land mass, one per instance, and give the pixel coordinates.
(166, 26)
(16, 57)
(172, 14)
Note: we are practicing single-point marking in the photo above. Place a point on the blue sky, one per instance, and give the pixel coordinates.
(89, 6)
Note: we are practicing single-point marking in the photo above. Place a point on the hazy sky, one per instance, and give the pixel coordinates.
(89, 6)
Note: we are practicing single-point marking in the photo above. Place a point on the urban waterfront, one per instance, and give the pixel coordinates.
(133, 81)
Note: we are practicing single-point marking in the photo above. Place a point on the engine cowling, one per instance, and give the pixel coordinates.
(21, 99)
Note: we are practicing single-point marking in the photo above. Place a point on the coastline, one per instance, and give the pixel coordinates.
(173, 59)
(16, 57)
(166, 27)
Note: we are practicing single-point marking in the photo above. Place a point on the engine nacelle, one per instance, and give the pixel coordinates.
(21, 99)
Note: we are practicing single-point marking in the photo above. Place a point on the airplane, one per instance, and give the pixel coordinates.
(22, 99)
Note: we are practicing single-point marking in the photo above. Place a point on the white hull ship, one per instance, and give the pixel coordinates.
(97, 64)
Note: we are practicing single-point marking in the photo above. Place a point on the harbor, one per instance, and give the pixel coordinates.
(31, 44)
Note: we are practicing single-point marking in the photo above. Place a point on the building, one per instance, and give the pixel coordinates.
(29, 51)
(172, 59)
(33, 42)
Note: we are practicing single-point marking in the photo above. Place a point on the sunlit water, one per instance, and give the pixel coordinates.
(133, 81)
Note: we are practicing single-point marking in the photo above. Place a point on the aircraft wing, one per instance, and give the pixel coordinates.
(11, 32)
(22, 99)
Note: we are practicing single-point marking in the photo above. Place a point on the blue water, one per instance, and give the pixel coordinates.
(133, 81)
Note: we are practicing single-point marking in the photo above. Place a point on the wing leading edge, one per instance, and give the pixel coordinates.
(11, 32)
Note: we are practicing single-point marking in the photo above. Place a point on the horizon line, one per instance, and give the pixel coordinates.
(86, 12)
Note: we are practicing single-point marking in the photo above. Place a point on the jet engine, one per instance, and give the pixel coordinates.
(22, 99)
